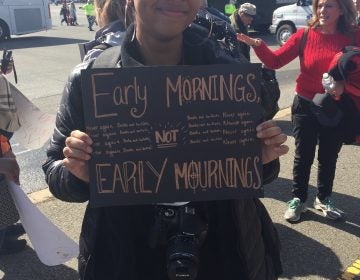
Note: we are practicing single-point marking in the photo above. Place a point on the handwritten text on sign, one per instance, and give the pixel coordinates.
(165, 134)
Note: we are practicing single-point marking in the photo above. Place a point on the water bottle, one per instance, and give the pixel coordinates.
(329, 84)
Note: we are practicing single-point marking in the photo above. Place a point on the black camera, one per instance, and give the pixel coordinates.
(6, 59)
(219, 28)
(181, 230)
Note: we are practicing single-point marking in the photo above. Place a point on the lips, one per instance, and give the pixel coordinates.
(173, 11)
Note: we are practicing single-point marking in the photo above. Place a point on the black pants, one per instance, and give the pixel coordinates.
(308, 133)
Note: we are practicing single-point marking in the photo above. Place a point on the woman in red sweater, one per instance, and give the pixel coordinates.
(332, 27)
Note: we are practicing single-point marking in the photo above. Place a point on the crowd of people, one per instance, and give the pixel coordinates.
(68, 14)
(114, 240)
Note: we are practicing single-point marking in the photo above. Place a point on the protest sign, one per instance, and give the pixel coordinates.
(36, 126)
(173, 133)
(52, 245)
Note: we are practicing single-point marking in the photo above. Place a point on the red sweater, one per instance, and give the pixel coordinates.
(318, 52)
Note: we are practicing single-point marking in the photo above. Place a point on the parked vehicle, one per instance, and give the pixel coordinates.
(264, 10)
(287, 19)
(23, 16)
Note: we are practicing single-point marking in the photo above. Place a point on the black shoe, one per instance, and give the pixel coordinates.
(11, 246)
(15, 230)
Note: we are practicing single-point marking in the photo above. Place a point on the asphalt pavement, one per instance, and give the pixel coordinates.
(315, 248)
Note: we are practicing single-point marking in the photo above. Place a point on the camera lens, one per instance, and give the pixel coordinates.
(182, 257)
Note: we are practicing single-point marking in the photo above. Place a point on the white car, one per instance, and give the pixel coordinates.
(287, 19)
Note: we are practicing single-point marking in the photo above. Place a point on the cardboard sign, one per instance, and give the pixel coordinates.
(166, 134)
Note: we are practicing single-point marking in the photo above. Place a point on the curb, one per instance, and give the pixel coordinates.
(45, 195)
(40, 196)
(282, 113)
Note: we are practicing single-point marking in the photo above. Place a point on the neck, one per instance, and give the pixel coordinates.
(328, 29)
(160, 52)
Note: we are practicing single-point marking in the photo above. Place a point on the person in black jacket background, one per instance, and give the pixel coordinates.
(241, 242)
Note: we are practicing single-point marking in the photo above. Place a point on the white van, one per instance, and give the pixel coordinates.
(23, 16)
(287, 19)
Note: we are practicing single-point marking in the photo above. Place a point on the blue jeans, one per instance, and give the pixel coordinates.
(308, 133)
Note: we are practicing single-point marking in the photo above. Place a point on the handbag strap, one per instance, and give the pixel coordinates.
(303, 42)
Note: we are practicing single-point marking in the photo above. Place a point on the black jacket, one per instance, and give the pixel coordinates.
(242, 242)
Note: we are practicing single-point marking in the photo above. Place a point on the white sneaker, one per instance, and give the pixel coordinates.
(328, 208)
(295, 208)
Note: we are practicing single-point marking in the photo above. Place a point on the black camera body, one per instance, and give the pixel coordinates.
(181, 230)
(219, 28)
(6, 59)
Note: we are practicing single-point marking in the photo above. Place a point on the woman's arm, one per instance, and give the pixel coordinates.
(62, 183)
(278, 58)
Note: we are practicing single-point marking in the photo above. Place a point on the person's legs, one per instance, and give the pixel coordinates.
(305, 131)
(9, 244)
(329, 148)
(90, 22)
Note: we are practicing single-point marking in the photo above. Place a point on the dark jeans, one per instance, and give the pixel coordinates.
(91, 20)
(2, 236)
(308, 133)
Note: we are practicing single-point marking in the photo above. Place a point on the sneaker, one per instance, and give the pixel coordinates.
(12, 246)
(295, 208)
(327, 207)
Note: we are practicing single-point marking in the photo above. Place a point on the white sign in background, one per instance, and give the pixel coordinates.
(36, 126)
(52, 246)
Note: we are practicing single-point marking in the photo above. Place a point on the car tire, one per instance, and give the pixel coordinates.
(4, 31)
(284, 32)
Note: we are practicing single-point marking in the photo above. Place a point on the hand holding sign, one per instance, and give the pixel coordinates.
(272, 141)
(77, 154)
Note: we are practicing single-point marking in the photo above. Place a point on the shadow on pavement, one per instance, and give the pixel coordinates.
(301, 261)
(37, 41)
(12, 268)
(280, 190)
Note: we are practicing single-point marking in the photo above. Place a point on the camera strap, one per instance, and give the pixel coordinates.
(15, 75)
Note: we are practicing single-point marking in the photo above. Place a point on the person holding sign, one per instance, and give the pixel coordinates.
(230, 239)
(9, 170)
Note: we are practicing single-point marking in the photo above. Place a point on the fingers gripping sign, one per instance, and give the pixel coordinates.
(272, 139)
(77, 152)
